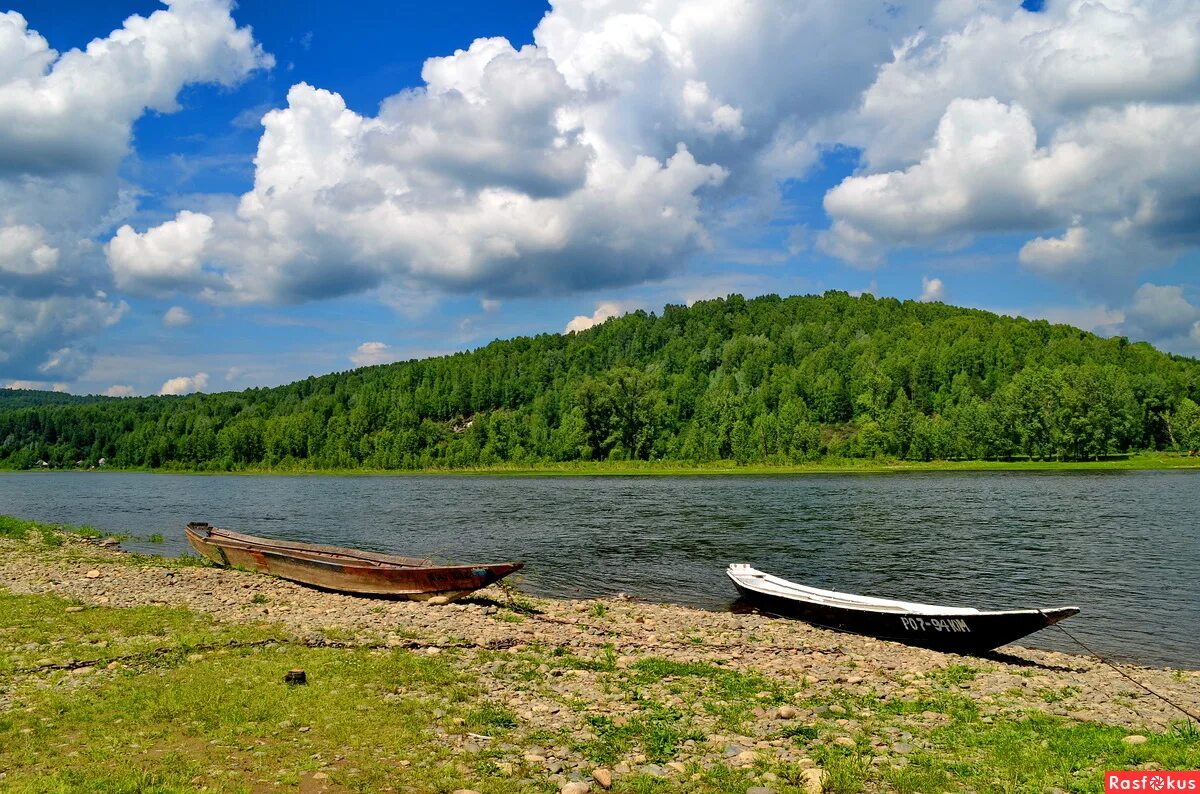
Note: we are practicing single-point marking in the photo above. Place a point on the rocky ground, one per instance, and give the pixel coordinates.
(759, 694)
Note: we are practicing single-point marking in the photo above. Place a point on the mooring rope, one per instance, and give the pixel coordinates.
(1126, 675)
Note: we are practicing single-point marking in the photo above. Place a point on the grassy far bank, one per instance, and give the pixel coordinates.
(167, 699)
(1147, 461)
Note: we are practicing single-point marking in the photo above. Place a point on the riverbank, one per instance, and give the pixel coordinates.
(1145, 461)
(126, 672)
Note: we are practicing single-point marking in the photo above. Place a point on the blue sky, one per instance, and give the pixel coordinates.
(625, 155)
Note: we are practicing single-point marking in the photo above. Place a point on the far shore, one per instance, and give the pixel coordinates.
(1144, 461)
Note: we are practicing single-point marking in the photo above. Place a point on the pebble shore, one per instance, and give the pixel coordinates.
(497, 619)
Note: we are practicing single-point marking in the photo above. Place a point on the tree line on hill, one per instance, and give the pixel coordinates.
(767, 380)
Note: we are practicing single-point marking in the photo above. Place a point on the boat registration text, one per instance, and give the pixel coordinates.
(952, 625)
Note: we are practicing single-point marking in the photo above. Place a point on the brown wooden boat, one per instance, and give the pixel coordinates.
(344, 570)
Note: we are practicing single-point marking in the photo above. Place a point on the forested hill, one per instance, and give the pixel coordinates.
(23, 398)
(764, 380)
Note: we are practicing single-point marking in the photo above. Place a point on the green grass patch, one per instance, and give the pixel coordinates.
(1037, 753)
(40, 631)
(729, 695)
(15, 528)
(953, 674)
(491, 719)
(657, 731)
(168, 720)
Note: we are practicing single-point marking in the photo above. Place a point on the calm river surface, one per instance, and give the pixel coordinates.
(1125, 546)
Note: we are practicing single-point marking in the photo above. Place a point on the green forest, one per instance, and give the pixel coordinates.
(768, 380)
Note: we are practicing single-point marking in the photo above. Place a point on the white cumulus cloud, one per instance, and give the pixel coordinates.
(931, 289)
(594, 157)
(185, 384)
(36, 385)
(162, 259)
(119, 390)
(176, 317)
(369, 354)
(604, 311)
(1163, 314)
(65, 127)
(1074, 125)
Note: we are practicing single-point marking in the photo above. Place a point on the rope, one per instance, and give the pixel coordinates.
(1126, 675)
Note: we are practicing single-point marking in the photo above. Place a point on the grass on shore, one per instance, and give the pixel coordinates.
(157, 699)
(163, 699)
(55, 535)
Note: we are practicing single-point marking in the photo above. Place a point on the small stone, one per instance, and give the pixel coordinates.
(93, 574)
(74, 609)
(1135, 739)
(320, 776)
(676, 766)
(760, 790)
(603, 778)
(296, 676)
(837, 709)
(786, 713)
(464, 791)
(844, 741)
(81, 670)
(432, 650)
(577, 787)
(813, 781)
(438, 600)
(901, 748)
(534, 758)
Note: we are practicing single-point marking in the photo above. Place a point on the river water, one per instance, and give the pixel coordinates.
(1124, 546)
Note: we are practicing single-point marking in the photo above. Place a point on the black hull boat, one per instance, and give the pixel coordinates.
(952, 629)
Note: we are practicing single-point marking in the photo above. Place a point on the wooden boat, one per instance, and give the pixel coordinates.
(344, 570)
(954, 629)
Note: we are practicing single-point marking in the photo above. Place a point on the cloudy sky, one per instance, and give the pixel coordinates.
(195, 195)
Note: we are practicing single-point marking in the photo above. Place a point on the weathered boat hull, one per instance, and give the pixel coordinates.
(951, 632)
(345, 570)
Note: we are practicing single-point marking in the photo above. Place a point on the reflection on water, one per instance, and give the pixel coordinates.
(1125, 546)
